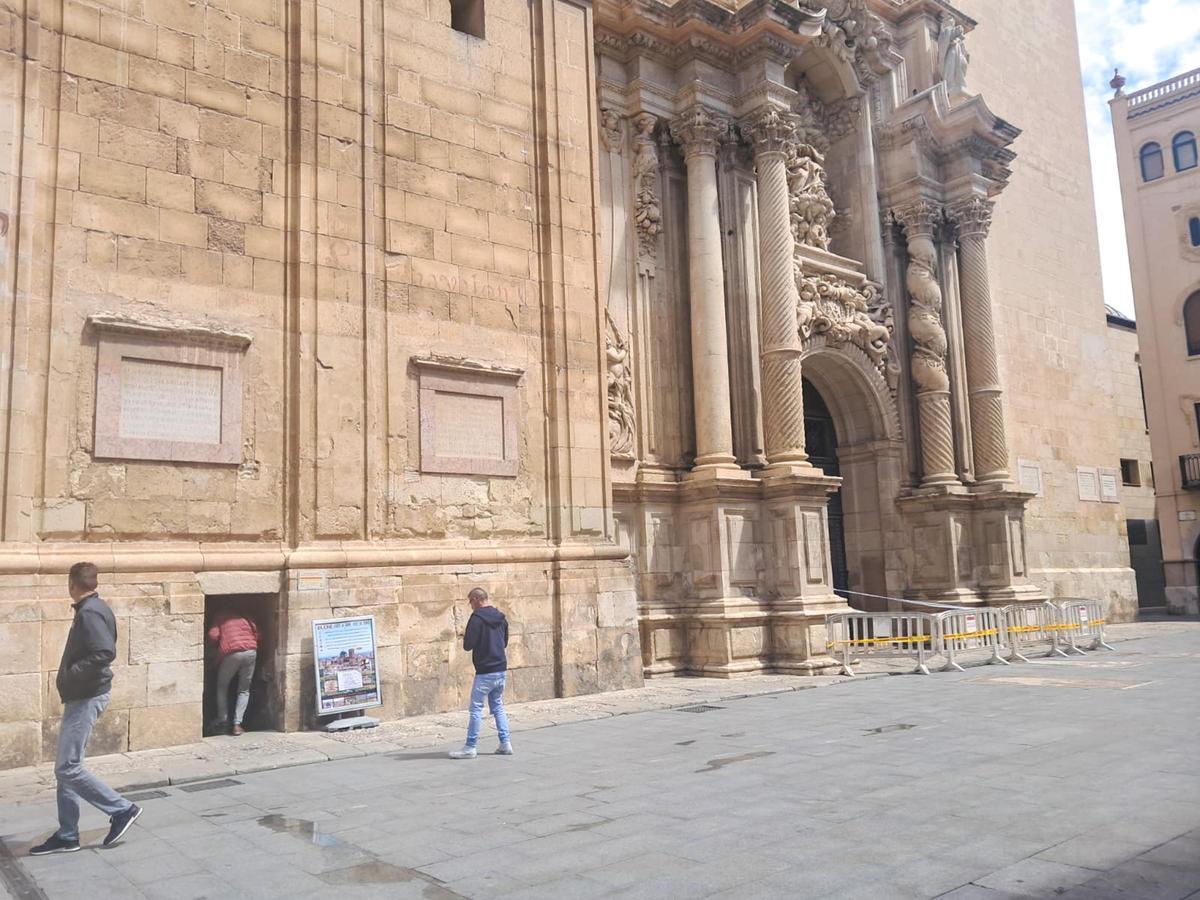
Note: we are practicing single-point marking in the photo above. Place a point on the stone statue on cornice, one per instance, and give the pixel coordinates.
(953, 56)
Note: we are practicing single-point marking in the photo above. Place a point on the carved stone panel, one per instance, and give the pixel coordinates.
(468, 417)
(814, 547)
(171, 393)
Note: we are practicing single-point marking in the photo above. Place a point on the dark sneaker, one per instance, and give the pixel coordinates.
(120, 824)
(54, 844)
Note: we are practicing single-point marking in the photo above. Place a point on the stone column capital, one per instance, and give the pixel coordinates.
(699, 131)
(918, 218)
(973, 216)
(769, 129)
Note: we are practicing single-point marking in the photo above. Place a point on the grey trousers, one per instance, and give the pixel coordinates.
(76, 783)
(240, 664)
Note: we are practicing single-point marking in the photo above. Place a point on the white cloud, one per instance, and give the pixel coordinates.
(1149, 40)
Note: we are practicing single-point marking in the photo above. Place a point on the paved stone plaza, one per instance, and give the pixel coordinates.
(1073, 779)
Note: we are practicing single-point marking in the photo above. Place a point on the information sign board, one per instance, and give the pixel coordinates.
(347, 676)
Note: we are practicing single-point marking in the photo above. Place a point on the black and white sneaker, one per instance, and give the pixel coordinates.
(120, 824)
(54, 844)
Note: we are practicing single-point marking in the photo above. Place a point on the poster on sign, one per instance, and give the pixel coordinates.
(344, 652)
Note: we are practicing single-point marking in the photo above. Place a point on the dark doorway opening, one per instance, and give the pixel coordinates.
(265, 711)
(820, 438)
(1145, 558)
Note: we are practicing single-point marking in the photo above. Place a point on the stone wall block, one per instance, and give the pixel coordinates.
(21, 697)
(20, 647)
(166, 639)
(165, 726)
(20, 744)
(110, 735)
(174, 683)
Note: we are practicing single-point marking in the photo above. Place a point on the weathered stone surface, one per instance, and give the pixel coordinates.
(166, 639)
(162, 726)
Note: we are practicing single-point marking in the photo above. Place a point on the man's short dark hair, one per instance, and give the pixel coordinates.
(84, 575)
(478, 595)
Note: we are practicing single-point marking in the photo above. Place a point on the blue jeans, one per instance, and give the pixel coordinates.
(76, 783)
(489, 688)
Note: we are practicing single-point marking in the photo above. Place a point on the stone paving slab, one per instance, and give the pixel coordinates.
(223, 756)
(1076, 780)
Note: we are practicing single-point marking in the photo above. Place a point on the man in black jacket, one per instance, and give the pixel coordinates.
(486, 637)
(84, 681)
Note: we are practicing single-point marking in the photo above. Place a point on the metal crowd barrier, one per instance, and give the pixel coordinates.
(881, 635)
(1083, 619)
(1030, 626)
(957, 630)
(1061, 626)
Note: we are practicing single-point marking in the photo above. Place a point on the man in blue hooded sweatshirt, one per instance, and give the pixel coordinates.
(486, 637)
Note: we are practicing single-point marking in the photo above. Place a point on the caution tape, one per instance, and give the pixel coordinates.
(1024, 629)
(970, 634)
(1097, 622)
(856, 642)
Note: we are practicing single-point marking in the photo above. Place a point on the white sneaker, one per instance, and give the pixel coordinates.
(505, 749)
(464, 753)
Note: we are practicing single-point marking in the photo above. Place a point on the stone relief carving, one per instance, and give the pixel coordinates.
(811, 207)
(952, 55)
(610, 130)
(848, 315)
(925, 317)
(620, 392)
(853, 33)
(647, 207)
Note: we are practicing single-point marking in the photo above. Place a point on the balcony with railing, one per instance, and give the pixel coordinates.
(1165, 92)
(1189, 468)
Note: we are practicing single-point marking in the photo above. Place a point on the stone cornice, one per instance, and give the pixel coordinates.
(161, 327)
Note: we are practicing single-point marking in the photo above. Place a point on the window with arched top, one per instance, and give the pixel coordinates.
(1151, 156)
(1191, 323)
(1183, 148)
(1194, 230)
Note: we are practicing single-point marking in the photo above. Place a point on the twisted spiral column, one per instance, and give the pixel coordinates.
(931, 383)
(779, 335)
(699, 131)
(990, 448)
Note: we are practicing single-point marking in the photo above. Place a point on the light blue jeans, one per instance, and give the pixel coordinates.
(76, 783)
(489, 688)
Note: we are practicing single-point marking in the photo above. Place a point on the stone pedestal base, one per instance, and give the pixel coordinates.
(968, 547)
(734, 572)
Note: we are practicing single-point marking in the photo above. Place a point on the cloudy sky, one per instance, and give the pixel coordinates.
(1149, 40)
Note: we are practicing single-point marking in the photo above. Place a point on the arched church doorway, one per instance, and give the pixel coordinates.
(820, 439)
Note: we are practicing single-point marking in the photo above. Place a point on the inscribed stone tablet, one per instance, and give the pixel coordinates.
(164, 401)
(470, 426)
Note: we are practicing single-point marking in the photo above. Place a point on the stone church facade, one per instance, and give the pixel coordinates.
(661, 321)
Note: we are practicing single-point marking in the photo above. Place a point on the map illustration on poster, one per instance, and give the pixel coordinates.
(347, 678)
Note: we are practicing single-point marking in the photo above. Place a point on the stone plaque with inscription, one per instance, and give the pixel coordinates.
(165, 392)
(468, 417)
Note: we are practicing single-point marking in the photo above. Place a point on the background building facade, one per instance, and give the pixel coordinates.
(662, 322)
(1155, 132)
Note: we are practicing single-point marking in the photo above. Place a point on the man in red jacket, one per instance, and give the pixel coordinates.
(236, 637)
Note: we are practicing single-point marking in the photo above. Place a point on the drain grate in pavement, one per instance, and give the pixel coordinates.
(209, 785)
(145, 795)
(702, 707)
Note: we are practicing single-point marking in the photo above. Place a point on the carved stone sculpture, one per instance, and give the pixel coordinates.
(620, 392)
(811, 207)
(610, 130)
(952, 55)
(930, 379)
(845, 314)
(647, 208)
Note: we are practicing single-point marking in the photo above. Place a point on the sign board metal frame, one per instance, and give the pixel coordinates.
(324, 631)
